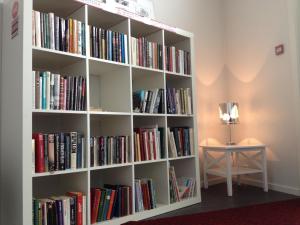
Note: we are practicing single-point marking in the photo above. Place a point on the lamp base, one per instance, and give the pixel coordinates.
(230, 143)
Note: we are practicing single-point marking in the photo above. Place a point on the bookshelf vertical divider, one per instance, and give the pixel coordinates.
(109, 85)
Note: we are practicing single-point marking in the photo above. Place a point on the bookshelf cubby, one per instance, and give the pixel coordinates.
(109, 111)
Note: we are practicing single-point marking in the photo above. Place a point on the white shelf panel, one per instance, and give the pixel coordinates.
(235, 171)
(177, 74)
(145, 69)
(104, 66)
(110, 166)
(58, 111)
(182, 157)
(150, 161)
(110, 113)
(53, 59)
(180, 115)
(54, 173)
(149, 115)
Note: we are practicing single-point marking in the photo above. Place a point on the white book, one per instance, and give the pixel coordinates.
(172, 146)
(52, 35)
(33, 89)
(41, 91)
(48, 88)
(38, 42)
(133, 51)
(189, 101)
(56, 90)
(153, 100)
(126, 48)
(82, 152)
(52, 91)
(158, 149)
(174, 59)
(84, 210)
(33, 155)
(33, 28)
(79, 30)
(177, 98)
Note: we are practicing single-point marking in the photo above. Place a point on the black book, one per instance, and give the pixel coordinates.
(45, 138)
(72, 93)
(162, 142)
(176, 137)
(68, 97)
(79, 151)
(62, 151)
(149, 99)
(60, 35)
(73, 218)
(67, 151)
(42, 30)
(66, 36)
(92, 149)
(56, 151)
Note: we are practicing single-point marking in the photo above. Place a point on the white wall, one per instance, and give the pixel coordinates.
(265, 85)
(205, 19)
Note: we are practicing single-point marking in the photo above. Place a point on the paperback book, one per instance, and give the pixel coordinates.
(111, 150)
(58, 151)
(149, 101)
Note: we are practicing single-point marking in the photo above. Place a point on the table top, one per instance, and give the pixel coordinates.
(233, 147)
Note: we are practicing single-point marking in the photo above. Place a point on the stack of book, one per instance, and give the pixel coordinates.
(148, 144)
(112, 201)
(57, 152)
(180, 188)
(146, 54)
(56, 92)
(145, 198)
(181, 141)
(69, 209)
(108, 45)
(179, 101)
(151, 101)
(177, 61)
(109, 150)
(53, 32)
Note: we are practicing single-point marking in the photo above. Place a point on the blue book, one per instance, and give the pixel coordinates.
(123, 48)
(44, 90)
(106, 204)
(59, 212)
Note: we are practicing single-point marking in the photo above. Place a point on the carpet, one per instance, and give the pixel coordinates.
(277, 213)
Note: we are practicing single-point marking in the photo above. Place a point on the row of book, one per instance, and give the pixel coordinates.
(57, 152)
(112, 201)
(179, 101)
(181, 141)
(180, 188)
(146, 53)
(109, 150)
(151, 101)
(53, 32)
(62, 210)
(109, 45)
(177, 61)
(148, 144)
(145, 197)
(56, 92)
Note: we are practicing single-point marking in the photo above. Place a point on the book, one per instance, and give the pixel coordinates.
(145, 195)
(177, 60)
(53, 152)
(53, 32)
(179, 101)
(148, 101)
(69, 209)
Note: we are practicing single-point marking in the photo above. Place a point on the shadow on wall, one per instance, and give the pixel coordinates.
(211, 92)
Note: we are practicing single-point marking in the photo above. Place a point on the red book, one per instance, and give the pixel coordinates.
(39, 153)
(130, 200)
(154, 143)
(96, 195)
(111, 203)
(79, 206)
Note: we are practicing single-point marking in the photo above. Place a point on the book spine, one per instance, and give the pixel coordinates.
(73, 149)
(51, 150)
(39, 153)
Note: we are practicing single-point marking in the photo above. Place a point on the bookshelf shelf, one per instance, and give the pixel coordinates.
(55, 173)
(38, 111)
(150, 161)
(109, 87)
(110, 166)
(146, 69)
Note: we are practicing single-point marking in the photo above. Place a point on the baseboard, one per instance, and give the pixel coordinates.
(275, 187)
(257, 183)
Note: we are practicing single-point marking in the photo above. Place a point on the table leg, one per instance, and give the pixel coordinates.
(205, 169)
(238, 167)
(229, 173)
(265, 172)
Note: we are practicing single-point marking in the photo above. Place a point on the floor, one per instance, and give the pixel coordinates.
(215, 198)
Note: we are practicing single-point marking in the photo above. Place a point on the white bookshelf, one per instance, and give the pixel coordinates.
(109, 86)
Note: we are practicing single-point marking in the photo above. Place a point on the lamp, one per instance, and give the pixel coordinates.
(229, 115)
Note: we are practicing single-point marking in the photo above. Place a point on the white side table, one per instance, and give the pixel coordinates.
(254, 162)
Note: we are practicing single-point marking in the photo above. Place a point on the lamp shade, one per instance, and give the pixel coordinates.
(229, 113)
